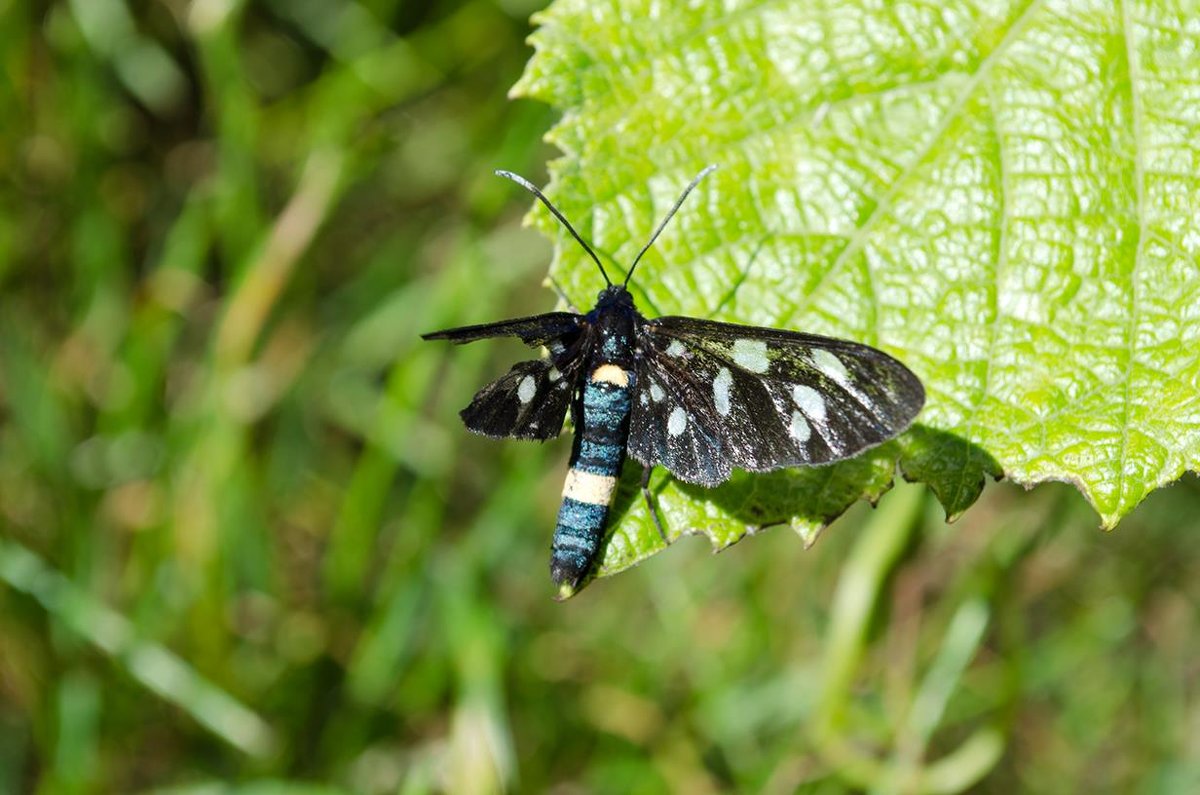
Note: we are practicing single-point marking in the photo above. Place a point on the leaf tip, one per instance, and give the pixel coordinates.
(808, 532)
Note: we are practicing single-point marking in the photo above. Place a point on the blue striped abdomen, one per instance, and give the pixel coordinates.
(596, 462)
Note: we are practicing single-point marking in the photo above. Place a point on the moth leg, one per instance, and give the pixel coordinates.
(562, 295)
(650, 503)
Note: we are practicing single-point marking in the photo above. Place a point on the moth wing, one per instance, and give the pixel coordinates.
(761, 399)
(556, 330)
(529, 402)
(671, 424)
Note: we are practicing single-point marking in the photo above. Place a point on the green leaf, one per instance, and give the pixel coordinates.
(1003, 195)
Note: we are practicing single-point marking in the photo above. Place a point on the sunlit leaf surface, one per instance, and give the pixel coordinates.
(1004, 195)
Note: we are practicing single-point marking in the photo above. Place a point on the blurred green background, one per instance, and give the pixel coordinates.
(246, 545)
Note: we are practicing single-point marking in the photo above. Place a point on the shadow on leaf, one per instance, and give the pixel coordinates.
(954, 468)
(805, 498)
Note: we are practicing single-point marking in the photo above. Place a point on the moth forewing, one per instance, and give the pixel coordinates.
(762, 398)
(553, 328)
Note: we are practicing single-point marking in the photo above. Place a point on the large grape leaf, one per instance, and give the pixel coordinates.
(1002, 194)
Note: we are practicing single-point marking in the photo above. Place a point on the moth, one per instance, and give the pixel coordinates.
(697, 397)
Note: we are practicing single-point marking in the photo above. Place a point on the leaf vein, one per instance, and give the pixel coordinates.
(1134, 296)
(862, 232)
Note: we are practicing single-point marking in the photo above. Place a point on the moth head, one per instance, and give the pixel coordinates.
(614, 295)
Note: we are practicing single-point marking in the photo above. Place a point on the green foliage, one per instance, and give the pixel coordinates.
(1004, 195)
(246, 546)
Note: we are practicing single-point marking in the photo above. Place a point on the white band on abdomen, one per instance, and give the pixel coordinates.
(588, 487)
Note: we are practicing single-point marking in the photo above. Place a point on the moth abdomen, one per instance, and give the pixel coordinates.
(577, 537)
(596, 459)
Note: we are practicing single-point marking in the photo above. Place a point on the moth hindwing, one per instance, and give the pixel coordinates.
(531, 400)
(698, 397)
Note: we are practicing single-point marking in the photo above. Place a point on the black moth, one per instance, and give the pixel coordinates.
(700, 398)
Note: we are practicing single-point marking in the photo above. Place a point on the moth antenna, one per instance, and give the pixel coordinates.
(678, 203)
(529, 186)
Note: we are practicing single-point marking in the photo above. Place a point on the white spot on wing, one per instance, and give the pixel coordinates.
(750, 355)
(644, 399)
(810, 402)
(830, 365)
(800, 430)
(677, 422)
(656, 392)
(676, 348)
(554, 374)
(526, 389)
(721, 386)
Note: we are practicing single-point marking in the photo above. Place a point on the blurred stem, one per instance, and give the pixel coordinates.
(150, 664)
(269, 272)
(481, 755)
(960, 769)
(880, 545)
(860, 592)
(220, 448)
(144, 67)
(961, 642)
(79, 707)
